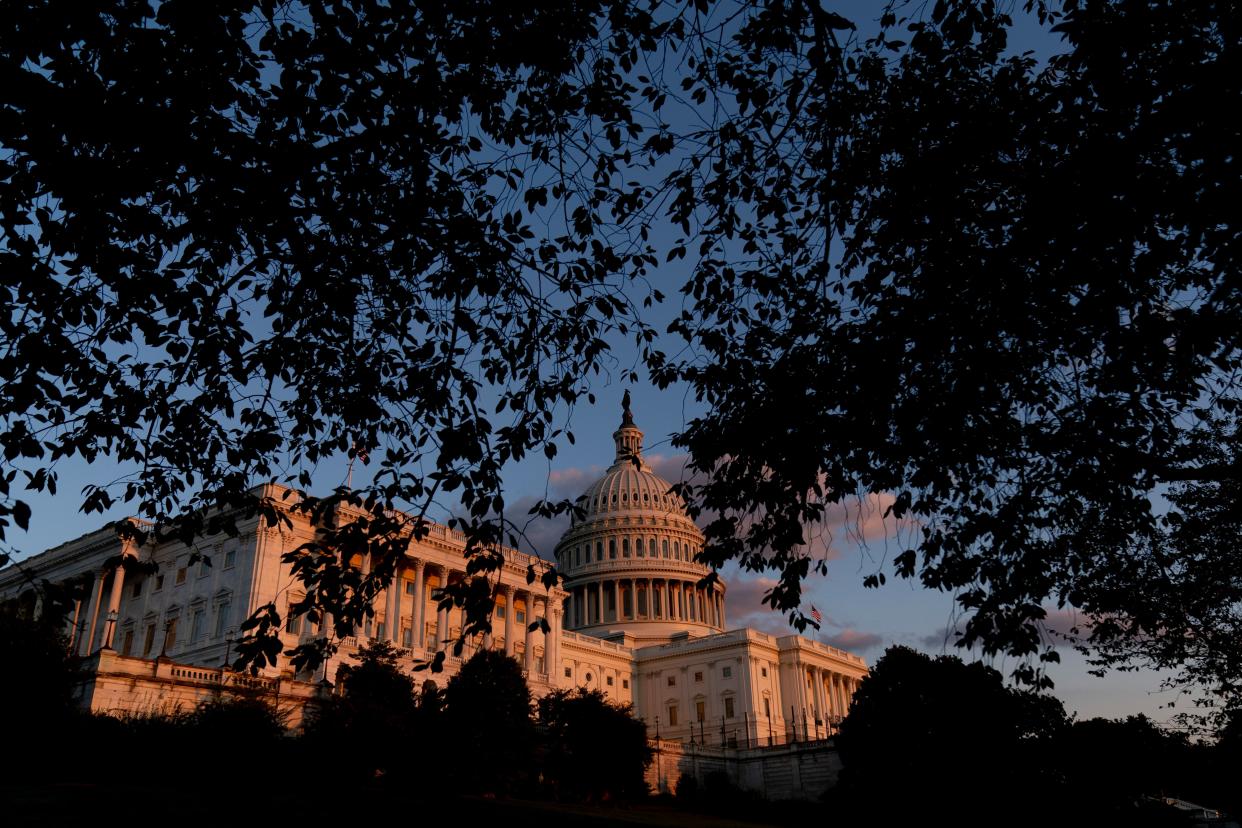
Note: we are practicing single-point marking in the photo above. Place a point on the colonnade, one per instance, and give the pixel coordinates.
(644, 599)
(824, 696)
(536, 606)
(89, 624)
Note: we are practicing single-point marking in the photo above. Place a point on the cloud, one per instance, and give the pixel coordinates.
(1060, 628)
(856, 641)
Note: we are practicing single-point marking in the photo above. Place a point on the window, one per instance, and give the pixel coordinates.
(148, 640)
(127, 642)
(181, 576)
(625, 684)
(728, 672)
(578, 555)
(763, 671)
(672, 715)
(170, 636)
(293, 623)
(409, 587)
(728, 707)
(519, 616)
(380, 629)
(204, 568)
(135, 591)
(612, 549)
(569, 672)
(767, 707)
(588, 677)
(609, 680)
(677, 550)
(664, 547)
(700, 710)
(222, 619)
(638, 547)
(198, 625)
(599, 550)
(651, 548)
(672, 681)
(407, 637)
(230, 558)
(159, 583)
(698, 676)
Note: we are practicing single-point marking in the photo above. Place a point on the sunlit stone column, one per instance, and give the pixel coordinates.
(528, 657)
(510, 612)
(88, 640)
(392, 626)
(442, 613)
(114, 605)
(599, 604)
(552, 646)
(417, 611)
(821, 701)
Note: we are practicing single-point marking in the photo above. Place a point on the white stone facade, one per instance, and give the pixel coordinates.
(630, 620)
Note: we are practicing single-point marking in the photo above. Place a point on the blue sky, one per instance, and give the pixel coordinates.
(862, 620)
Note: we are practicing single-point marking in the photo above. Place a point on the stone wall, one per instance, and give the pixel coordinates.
(800, 770)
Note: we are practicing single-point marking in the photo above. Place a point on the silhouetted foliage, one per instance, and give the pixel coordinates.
(994, 292)
(937, 727)
(371, 723)
(490, 733)
(593, 748)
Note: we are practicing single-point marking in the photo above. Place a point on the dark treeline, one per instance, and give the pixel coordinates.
(926, 737)
(941, 735)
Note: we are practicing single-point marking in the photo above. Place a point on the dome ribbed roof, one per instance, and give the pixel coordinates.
(630, 486)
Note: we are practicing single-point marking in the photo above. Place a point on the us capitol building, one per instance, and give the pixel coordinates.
(629, 619)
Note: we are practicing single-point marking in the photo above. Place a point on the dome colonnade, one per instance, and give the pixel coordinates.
(630, 561)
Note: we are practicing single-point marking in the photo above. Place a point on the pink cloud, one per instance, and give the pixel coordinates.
(856, 641)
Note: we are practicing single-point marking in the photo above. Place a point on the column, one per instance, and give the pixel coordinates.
(114, 606)
(418, 634)
(599, 607)
(547, 609)
(552, 646)
(88, 640)
(822, 695)
(510, 612)
(799, 673)
(442, 613)
(528, 657)
(392, 626)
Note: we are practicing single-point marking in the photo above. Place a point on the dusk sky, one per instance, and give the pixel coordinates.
(856, 543)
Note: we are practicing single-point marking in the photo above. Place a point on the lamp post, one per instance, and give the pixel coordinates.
(228, 646)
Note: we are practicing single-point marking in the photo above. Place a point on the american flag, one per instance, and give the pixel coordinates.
(819, 618)
(362, 454)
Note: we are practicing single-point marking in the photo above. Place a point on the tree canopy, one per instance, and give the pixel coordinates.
(994, 288)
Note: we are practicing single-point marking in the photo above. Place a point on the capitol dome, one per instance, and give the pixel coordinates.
(629, 562)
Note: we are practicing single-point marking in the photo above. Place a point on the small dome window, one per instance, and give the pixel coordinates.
(645, 497)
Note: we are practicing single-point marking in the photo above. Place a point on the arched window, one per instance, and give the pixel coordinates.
(625, 547)
(612, 549)
(638, 547)
(677, 550)
(599, 550)
(664, 545)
